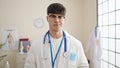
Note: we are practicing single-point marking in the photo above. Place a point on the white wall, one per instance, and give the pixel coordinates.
(20, 14)
(90, 20)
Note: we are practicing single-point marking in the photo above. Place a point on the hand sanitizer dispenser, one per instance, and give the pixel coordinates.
(7, 65)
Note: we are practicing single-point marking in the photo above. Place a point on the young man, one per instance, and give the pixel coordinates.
(57, 48)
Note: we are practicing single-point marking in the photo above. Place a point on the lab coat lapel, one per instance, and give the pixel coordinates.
(64, 56)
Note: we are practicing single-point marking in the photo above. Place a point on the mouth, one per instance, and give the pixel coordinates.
(56, 25)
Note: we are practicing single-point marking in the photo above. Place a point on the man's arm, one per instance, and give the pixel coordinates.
(82, 60)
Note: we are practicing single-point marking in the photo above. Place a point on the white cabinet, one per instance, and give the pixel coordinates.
(15, 59)
(20, 60)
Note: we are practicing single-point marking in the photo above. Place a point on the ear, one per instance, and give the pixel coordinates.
(47, 18)
(64, 20)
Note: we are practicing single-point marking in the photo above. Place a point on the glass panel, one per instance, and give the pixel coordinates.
(100, 9)
(105, 7)
(111, 5)
(104, 65)
(118, 60)
(104, 0)
(111, 18)
(101, 29)
(118, 17)
(118, 46)
(117, 31)
(112, 31)
(105, 19)
(99, 1)
(105, 31)
(111, 66)
(117, 4)
(100, 20)
(112, 57)
(105, 55)
(105, 43)
(112, 44)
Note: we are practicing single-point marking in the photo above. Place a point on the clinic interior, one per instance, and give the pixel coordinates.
(81, 19)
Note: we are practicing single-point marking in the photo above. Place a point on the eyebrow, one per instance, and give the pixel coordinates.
(55, 15)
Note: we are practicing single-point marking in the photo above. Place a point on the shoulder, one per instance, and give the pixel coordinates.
(75, 44)
(73, 39)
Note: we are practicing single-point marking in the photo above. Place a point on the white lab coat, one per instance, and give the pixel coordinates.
(94, 49)
(39, 55)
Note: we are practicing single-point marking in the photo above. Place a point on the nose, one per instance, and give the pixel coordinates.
(56, 19)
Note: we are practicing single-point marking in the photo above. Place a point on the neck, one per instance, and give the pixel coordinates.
(56, 34)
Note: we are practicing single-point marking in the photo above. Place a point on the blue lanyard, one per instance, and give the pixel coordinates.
(56, 55)
(49, 41)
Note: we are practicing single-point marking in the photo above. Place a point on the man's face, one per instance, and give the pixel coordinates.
(55, 21)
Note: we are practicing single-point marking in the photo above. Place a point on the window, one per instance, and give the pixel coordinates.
(109, 25)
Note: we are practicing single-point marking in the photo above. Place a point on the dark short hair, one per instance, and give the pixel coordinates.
(56, 8)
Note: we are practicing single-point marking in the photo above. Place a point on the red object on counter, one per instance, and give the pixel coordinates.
(23, 39)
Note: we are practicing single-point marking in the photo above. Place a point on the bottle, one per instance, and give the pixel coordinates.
(7, 65)
(21, 47)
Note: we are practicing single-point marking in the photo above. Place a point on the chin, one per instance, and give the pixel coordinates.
(57, 30)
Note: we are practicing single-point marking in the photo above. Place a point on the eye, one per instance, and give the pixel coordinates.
(52, 16)
(59, 17)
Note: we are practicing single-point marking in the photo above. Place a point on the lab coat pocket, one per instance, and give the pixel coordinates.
(46, 62)
(72, 64)
(72, 60)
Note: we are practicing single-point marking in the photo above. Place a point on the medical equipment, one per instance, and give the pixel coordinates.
(65, 40)
(49, 41)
